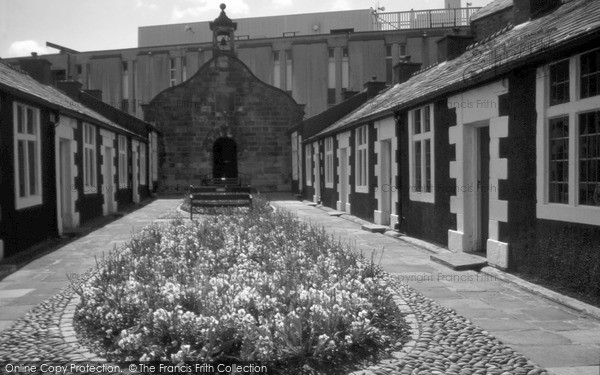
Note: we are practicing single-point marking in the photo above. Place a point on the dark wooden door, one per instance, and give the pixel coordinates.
(225, 158)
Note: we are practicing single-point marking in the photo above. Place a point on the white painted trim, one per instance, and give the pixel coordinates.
(31, 200)
(308, 167)
(93, 188)
(361, 188)
(414, 194)
(66, 130)
(316, 161)
(329, 184)
(386, 132)
(343, 140)
(470, 115)
(108, 186)
(571, 212)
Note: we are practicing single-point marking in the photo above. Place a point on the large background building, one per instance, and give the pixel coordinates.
(316, 58)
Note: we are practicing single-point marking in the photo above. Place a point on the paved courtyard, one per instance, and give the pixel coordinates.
(489, 312)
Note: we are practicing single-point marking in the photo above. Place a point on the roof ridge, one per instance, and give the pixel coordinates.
(483, 41)
(429, 67)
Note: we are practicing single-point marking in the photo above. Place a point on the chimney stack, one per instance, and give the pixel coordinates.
(374, 87)
(95, 93)
(38, 69)
(452, 46)
(405, 69)
(69, 87)
(524, 10)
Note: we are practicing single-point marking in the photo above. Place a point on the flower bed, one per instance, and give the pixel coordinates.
(242, 285)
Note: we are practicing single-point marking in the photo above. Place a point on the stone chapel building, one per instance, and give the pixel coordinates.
(224, 122)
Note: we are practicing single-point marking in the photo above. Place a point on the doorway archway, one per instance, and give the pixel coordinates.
(225, 158)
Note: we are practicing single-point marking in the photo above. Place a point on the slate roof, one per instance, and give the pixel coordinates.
(491, 8)
(21, 84)
(314, 124)
(495, 55)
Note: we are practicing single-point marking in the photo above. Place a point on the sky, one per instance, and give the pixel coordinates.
(91, 25)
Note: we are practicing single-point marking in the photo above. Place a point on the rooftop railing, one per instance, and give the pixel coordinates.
(423, 19)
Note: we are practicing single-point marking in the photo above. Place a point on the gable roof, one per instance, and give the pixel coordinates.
(315, 124)
(491, 8)
(492, 57)
(21, 84)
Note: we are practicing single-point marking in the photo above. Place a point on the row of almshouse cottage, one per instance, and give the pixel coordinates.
(496, 149)
(63, 163)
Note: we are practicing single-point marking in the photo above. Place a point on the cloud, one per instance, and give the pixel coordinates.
(341, 5)
(208, 9)
(25, 47)
(282, 3)
(147, 4)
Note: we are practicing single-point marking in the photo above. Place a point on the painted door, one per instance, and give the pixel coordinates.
(343, 178)
(65, 183)
(483, 189)
(108, 173)
(386, 182)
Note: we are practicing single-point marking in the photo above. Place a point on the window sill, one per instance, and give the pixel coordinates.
(35, 200)
(559, 212)
(422, 197)
(362, 189)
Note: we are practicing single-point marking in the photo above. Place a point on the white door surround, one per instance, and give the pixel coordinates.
(474, 109)
(316, 172)
(67, 171)
(343, 171)
(386, 173)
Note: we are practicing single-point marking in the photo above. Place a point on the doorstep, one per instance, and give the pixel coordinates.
(460, 261)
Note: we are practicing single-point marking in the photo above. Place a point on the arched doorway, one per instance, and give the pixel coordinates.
(225, 158)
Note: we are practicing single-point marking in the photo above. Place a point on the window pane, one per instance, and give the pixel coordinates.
(559, 82)
(21, 161)
(32, 161)
(427, 114)
(417, 120)
(30, 119)
(418, 161)
(559, 160)
(590, 74)
(20, 120)
(589, 158)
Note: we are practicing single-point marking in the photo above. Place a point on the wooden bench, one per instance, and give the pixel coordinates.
(219, 196)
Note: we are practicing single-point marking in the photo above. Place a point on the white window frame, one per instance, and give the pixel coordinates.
(31, 198)
(329, 169)
(123, 165)
(419, 194)
(361, 164)
(90, 179)
(143, 166)
(308, 167)
(571, 211)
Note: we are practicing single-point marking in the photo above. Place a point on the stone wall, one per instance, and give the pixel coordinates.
(225, 99)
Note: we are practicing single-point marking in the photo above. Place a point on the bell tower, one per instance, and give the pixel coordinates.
(223, 29)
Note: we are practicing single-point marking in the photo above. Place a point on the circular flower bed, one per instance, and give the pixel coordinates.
(242, 285)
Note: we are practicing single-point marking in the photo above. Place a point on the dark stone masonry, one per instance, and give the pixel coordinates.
(225, 100)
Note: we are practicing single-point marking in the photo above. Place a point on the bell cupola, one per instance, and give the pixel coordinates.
(223, 29)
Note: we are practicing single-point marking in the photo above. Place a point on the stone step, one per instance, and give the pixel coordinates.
(374, 228)
(335, 213)
(460, 261)
(312, 204)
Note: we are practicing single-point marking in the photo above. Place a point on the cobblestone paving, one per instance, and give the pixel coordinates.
(442, 342)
